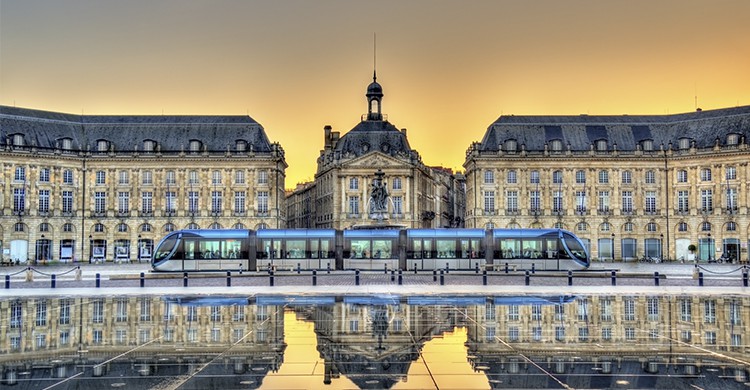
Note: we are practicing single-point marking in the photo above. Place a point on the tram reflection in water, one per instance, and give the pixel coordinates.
(369, 249)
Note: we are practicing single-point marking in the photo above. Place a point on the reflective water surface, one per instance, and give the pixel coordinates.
(399, 342)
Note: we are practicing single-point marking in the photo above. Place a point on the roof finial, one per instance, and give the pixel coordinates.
(374, 56)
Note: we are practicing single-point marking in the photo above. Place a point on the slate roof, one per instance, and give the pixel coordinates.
(625, 130)
(373, 135)
(125, 132)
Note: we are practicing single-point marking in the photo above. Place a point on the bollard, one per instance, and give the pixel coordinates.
(570, 278)
(484, 278)
(400, 278)
(506, 268)
(329, 267)
(385, 269)
(143, 279)
(229, 278)
(29, 274)
(79, 274)
(614, 278)
(476, 268)
(744, 278)
(270, 278)
(527, 278)
(447, 268)
(98, 280)
(356, 277)
(315, 278)
(184, 279)
(442, 278)
(299, 270)
(53, 278)
(434, 275)
(393, 275)
(533, 268)
(7, 281)
(700, 279)
(656, 278)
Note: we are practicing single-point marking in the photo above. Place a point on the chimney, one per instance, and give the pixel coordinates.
(327, 136)
(403, 131)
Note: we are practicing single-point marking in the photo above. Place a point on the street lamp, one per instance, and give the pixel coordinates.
(661, 247)
(710, 247)
(91, 248)
(613, 247)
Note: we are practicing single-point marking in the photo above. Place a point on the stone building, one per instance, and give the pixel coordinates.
(106, 188)
(629, 186)
(419, 196)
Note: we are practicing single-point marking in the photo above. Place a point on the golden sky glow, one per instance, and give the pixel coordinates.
(448, 68)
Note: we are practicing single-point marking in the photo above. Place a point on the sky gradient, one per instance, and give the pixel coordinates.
(448, 68)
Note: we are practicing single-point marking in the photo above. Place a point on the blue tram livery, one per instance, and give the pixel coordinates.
(423, 249)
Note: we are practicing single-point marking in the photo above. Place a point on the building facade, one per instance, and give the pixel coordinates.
(107, 188)
(667, 186)
(339, 197)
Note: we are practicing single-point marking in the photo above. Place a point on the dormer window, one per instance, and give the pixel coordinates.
(556, 145)
(647, 145)
(102, 145)
(66, 144)
(149, 145)
(241, 145)
(18, 140)
(195, 146)
(684, 143)
(510, 146)
(733, 139)
(601, 145)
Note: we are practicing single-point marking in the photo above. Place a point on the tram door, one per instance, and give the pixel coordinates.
(271, 250)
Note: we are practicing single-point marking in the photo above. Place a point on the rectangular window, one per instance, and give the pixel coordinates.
(148, 178)
(560, 333)
(535, 203)
(682, 176)
(121, 310)
(706, 174)
(396, 183)
(489, 177)
(512, 201)
(606, 334)
(627, 201)
(731, 199)
(263, 202)
(735, 313)
(652, 306)
(583, 309)
(170, 203)
(41, 312)
(239, 201)
(650, 201)
(19, 199)
(215, 313)
(123, 202)
(67, 201)
(216, 200)
(536, 332)
(97, 311)
(605, 309)
(193, 201)
(20, 174)
(193, 177)
(489, 311)
(67, 176)
(707, 200)
(216, 177)
(398, 205)
(100, 202)
(239, 177)
(534, 177)
(489, 202)
(731, 173)
(710, 311)
(145, 310)
(603, 177)
(629, 307)
(44, 175)
(630, 334)
(170, 178)
(43, 201)
(512, 177)
(683, 203)
(513, 313)
(64, 318)
(123, 178)
(262, 177)
(686, 310)
(101, 178)
(557, 201)
(536, 312)
(354, 205)
(604, 201)
(580, 201)
(147, 204)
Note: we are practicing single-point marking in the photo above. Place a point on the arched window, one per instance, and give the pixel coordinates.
(683, 143)
(261, 226)
(627, 177)
(240, 145)
(605, 227)
(558, 225)
(682, 227)
(122, 228)
(149, 145)
(733, 139)
(102, 145)
(581, 177)
(145, 228)
(68, 228)
(706, 226)
(582, 227)
(215, 226)
(195, 146)
(98, 228)
(601, 145)
(510, 146)
(628, 227)
(731, 226)
(44, 227)
(169, 227)
(647, 145)
(489, 225)
(557, 177)
(18, 140)
(66, 144)
(489, 177)
(239, 225)
(650, 177)
(651, 227)
(556, 145)
(192, 226)
(19, 227)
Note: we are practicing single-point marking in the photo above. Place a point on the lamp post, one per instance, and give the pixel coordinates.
(710, 249)
(613, 247)
(91, 248)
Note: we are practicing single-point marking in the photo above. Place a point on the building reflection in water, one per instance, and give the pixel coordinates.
(586, 341)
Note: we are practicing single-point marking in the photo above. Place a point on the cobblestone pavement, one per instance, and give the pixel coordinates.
(600, 274)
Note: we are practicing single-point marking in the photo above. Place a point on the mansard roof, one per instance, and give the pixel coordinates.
(44, 129)
(627, 131)
(373, 135)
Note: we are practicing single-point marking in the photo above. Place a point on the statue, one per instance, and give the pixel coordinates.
(378, 195)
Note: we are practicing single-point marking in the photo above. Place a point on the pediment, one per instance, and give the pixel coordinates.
(375, 160)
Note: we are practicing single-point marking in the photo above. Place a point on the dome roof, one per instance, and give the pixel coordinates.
(374, 89)
(372, 136)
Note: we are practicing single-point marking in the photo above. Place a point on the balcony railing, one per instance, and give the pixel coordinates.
(511, 212)
(581, 211)
(628, 211)
(603, 211)
(489, 212)
(650, 211)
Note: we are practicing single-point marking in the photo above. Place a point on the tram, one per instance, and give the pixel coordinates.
(369, 249)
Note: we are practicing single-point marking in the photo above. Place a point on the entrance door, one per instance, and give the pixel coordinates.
(19, 250)
(681, 249)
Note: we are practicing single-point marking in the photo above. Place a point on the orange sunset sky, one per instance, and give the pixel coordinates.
(448, 68)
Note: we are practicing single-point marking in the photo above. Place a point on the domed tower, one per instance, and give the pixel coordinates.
(374, 96)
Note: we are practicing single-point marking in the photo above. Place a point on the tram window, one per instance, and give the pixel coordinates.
(382, 249)
(552, 248)
(209, 249)
(190, 249)
(427, 249)
(232, 249)
(415, 251)
(575, 247)
(269, 249)
(325, 249)
(295, 249)
(314, 249)
(360, 249)
(510, 248)
(165, 248)
(532, 249)
(471, 249)
(446, 249)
